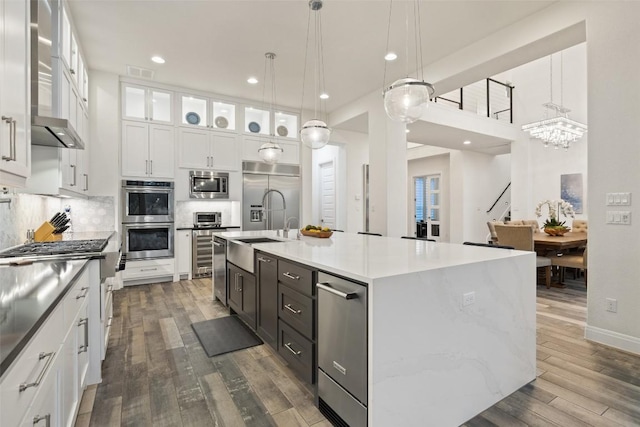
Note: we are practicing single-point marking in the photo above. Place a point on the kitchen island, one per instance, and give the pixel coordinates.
(450, 328)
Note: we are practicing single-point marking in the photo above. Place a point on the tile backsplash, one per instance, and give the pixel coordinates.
(29, 211)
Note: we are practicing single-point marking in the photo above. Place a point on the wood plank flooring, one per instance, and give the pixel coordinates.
(157, 374)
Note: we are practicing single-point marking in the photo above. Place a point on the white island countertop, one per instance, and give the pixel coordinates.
(365, 258)
(451, 329)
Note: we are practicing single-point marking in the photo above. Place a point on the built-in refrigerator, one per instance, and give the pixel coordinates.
(270, 195)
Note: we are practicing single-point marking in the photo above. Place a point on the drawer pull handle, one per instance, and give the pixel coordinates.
(84, 322)
(149, 269)
(291, 276)
(328, 288)
(38, 380)
(261, 259)
(295, 352)
(85, 289)
(109, 288)
(217, 244)
(291, 309)
(110, 321)
(38, 418)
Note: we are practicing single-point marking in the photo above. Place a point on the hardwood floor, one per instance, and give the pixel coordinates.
(156, 372)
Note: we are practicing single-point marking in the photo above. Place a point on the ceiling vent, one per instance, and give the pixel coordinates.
(139, 72)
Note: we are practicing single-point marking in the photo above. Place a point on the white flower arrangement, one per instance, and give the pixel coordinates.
(565, 208)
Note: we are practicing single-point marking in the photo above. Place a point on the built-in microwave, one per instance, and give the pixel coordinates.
(208, 185)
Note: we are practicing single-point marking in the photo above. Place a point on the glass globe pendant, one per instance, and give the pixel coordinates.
(407, 99)
(315, 134)
(270, 152)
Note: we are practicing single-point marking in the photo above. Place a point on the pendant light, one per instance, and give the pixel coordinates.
(406, 99)
(270, 152)
(315, 133)
(558, 130)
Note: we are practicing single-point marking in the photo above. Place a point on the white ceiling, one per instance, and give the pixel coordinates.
(453, 138)
(215, 45)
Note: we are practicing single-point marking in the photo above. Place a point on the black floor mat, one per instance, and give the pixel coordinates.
(224, 334)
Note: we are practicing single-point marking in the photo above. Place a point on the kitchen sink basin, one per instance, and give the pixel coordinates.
(251, 240)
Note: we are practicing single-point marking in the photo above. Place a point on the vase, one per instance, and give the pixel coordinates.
(556, 231)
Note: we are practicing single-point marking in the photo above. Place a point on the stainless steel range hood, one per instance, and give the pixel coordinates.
(46, 129)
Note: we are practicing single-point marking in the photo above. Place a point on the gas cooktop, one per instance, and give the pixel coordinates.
(56, 248)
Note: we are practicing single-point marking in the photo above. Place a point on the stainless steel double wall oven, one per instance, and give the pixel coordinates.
(147, 219)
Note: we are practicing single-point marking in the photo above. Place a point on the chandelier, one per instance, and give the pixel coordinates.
(270, 152)
(405, 100)
(315, 133)
(556, 128)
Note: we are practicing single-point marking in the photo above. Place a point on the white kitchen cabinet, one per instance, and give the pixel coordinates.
(146, 104)
(45, 408)
(147, 150)
(290, 153)
(206, 149)
(15, 122)
(183, 250)
(203, 112)
(59, 172)
(148, 270)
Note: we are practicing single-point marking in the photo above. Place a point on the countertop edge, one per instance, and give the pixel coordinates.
(17, 350)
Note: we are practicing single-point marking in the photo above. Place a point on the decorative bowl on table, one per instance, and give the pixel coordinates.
(556, 230)
(316, 233)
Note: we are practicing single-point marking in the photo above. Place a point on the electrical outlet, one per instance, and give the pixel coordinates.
(612, 305)
(468, 298)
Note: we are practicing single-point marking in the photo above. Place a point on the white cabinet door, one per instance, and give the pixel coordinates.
(135, 149)
(250, 148)
(224, 151)
(45, 409)
(161, 151)
(290, 153)
(68, 169)
(69, 391)
(146, 104)
(183, 248)
(15, 125)
(66, 38)
(161, 105)
(194, 148)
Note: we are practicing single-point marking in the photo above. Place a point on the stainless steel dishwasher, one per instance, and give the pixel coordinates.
(220, 269)
(342, 350)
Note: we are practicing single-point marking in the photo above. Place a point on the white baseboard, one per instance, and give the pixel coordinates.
(613, 339)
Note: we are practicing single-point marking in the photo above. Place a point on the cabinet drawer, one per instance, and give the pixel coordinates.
(148, 268)
(297, 351)
(74, 299)
(34, 365)
(296, 276)
(296, 309)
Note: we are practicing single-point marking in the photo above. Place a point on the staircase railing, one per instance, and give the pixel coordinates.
(499, 197)
(488, 97)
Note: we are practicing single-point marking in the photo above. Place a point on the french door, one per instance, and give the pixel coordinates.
(427, 206)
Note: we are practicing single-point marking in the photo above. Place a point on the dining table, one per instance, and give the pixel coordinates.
(544, 243)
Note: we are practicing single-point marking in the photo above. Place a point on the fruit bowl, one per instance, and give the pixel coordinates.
(319, 234)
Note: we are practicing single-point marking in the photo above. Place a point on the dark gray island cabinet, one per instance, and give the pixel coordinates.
(286, 309)
(242, 294)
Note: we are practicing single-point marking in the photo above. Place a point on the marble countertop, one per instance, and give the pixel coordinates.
(28, 294)
(366, 258)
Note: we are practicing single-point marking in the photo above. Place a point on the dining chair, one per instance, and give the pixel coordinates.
(571, 260)
(579, 226)
(521, 238)
(418, 238)
(492, 230)
(369, 234)
(487, 245)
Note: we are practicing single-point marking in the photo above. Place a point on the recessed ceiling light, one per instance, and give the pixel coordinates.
(252, 80)
(407, 130)
(324, 96)
(224, 111)
(390, 56)
(467, 142)
(158, 59)
(283, 120)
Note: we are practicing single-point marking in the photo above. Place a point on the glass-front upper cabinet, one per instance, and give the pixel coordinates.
(286, 125)
(257, 121)
(65, 36)
(194, 111)
(146, 104)
(208, 113)
(224, 115)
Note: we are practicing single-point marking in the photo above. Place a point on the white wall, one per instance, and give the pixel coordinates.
(613, 89)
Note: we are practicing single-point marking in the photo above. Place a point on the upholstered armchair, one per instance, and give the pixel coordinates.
(521, 238)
